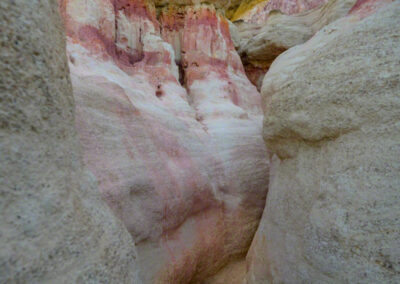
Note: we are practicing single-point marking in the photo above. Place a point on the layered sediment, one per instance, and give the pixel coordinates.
(171, 129)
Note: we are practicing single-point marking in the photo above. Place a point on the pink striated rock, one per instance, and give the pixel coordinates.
(183, 166)
(364, 8)
(209, 54)
(255, 74)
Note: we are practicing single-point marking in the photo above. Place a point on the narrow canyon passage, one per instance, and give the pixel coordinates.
(204, 142)
(183, 166)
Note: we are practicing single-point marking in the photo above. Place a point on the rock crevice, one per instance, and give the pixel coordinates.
(174, 162)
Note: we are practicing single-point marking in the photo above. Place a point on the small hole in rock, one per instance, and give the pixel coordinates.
(159, 92)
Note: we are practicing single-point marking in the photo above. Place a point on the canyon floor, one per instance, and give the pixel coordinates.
(204, 142)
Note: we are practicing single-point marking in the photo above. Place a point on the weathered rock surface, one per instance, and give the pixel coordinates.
(332, 119)
(171, 131)
(261, 43)
(228, 8)
(54, 226)
(220, 4)
(258, 11)
(173, 147)
(269, 28)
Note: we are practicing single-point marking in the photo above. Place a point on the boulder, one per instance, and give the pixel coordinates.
(332, 121)
(261, 42)
(54, 226)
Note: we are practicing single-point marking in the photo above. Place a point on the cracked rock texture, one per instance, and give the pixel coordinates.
(332, 121)
(54, 226)
(171, 128)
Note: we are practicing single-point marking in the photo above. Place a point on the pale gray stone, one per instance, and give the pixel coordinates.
(333, 119)
(54, 228)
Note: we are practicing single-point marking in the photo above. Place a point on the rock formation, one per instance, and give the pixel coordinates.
(133, 152)
(258, 11)
(332, 119)
(172, 129)
(261, 43)
(54, 226)
(270, 32)
(227, 7)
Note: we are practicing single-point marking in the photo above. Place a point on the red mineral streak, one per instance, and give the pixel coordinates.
(224, 28)
(104, 21)
(364, 8)
(172, 20)
(136, 9)
(94, 40)
(103, 40)
(210, 220)
(255, 74)
(166, 167)
(214, 47)
(203, 38)
(212, 29)
(62, 7)
(169, 149)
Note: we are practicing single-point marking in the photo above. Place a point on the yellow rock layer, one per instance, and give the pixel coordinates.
(245, 7)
